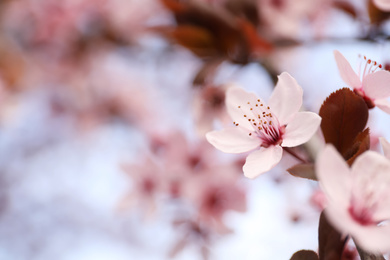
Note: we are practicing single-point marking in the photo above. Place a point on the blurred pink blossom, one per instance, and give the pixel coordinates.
(214, 193)
(358, 197)
(258, 126)
(372, 85)
(56, 23)
(288, 18)
(147, 185)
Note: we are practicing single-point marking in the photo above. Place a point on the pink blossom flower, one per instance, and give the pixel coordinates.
(148, 183)
(358, 197)
(383, 5)
(373, 84)
(266, 128)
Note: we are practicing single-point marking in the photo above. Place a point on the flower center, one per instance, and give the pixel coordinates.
(360, 212)
(369, 102)
(264, 123)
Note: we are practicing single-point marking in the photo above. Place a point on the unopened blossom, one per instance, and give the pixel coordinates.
(358, 197)
(371, 83)
(208, 106)
(263, 128)
(383, 5)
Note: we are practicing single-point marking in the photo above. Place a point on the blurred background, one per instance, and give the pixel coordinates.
(104, 106)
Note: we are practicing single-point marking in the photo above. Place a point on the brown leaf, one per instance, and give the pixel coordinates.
(346, 7)
(245, 9)
(174, 5)
(256, 43)
(344, 115)
(331, 243)
(361, 144)
(304, 255)
(304, 170)
(232, 40)
(198, 40)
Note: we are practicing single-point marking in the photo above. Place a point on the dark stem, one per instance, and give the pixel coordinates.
(368, 256)
(296, 156)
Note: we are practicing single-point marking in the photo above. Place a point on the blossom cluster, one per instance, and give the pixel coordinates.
(113, 114)
(358, 197)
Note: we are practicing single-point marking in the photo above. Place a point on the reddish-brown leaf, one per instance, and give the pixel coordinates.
(174, 5)
(304, 170)
(245, 9)
(346, 7)
(256, 43)
(233, 39)
(198, 40)
(344, 115)
(361, 144)
(331, 243)
(304, 255)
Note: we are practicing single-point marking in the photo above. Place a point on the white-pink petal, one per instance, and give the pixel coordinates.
(340, 218)
(261, 161)
(346, 72)
(375, 239)
(233, 140)
(383, 104)
(236, 105)
(367, 237)
(334, 176)
(385, 147)
(377, 84)
(371, 180)
(301, 128)
(369, 165)
(286, 99)
(384, 5)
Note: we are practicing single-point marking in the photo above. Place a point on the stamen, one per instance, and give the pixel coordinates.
(268, 130)
(370, 66)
